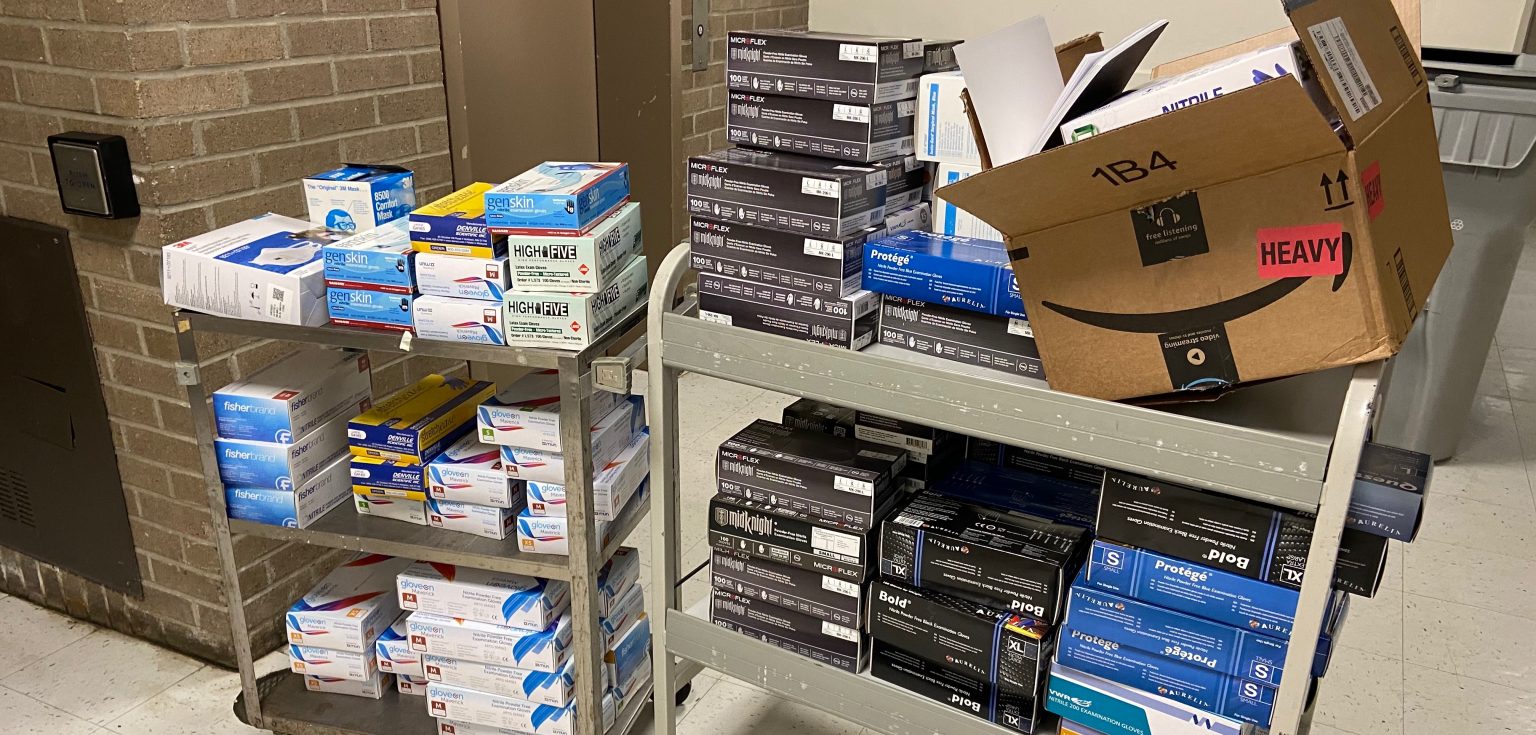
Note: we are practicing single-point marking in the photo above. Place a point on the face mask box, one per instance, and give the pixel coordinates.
(371, 689)
(554, 689)
(527, 413)
(917, 217)
(377, 259)
(581, 263)
(354, 665)
(1388, 497)
(462, 277)
(819, 640)
(455, 225)
(253, 464)
(481, 520)
(356, 307)
(803, 195)
(964, 692)
(497, 598)
(358, 197)
(943, 127)
(1116, 709)
(609, 437)
(611, 489)
(348, 609)
(471, 472)
(959, 272)
(573, 320)
(416, 423)
(292, 397)
(846, 481)
(393, 651)
(266, 269)
(829, 269)
(294, 507)
(787, 536)
(949, 219)
(541, 650)
(847, 323)
(960, 335)
(841, 67)
(459, 320)
(849, 132)
(557, 198)
(397, 509)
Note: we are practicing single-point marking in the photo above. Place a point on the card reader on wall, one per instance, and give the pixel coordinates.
(94, 175)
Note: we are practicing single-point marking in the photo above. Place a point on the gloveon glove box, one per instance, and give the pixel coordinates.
(957, 335)
(831, 66)
(788, 537)
(848, 323)
(842, 480)
(828, 268)
(820, 596)
(819, 640)
(964, 692)
(847, 132)
(781, 191)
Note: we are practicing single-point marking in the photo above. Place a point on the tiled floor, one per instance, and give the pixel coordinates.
(1449, 645)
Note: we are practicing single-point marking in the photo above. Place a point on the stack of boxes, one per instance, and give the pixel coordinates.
(335, 628)
(369, 281)
(461, 269)
(944, 138)
(281, 436)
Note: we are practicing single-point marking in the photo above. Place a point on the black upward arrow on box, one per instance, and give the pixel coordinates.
(1344, 199)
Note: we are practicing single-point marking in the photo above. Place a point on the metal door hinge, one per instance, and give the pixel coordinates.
(612, 374)
(700, 35)
(187, 374)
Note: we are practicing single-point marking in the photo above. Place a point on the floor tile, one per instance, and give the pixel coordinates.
(1470, 641)
(27, 716)
(201, 704)
(1519, 365)
(1362, 693)
(703, 401)
(1476, 525)
(102, 676)
(1439, 703)
(734, 708)
(1516, 328)
(1489, 464)
(1457, 573)
(1320, 729)
(1375, 624)
(33, 632)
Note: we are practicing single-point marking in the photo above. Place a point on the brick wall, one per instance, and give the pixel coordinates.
(224, 103)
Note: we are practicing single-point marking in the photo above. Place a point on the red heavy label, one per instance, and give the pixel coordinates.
(1301, 251)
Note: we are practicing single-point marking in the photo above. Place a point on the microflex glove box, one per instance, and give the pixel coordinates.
(823, 418)
(253, 464)
(527, 413)
(354, 665)
(786, 536)
(267, 268)
(781, 191)
(462, 276)
(571, 321)
(455, 225)
(541, 650)
(840, 130)
(922, 441)
(960, 335)
(831, 66)
(378, 259)
(1115, 709)
(825, 268)
(951, 220)
(481, 520)
(820, 596)
(393, 651)
(395, 509)
(498, 598)
(416, 423)
(580, 263)
(556, 198)
(841, 480)
(906, 181)
(471, 472)
(848, 323)
(959, 272)
(459, 320)
(371, 689)
(359, 307)
(611, 488)
(293, 396)
(539, 687)
(348, 609)
(490, 714)
(1388, 497)
(819, 640)
(293, 507)
(386, 478)
(943, 127)
(358, 197)
(609, 437)
(962, 691)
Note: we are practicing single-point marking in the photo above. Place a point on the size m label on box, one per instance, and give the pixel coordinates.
(1302, 251)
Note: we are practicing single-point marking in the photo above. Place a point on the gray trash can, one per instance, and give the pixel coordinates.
(1485, 114)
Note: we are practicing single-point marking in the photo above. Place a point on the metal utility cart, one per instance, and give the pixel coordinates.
(1292, 443)
(279, 702)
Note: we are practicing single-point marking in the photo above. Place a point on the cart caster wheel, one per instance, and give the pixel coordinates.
(682, 694)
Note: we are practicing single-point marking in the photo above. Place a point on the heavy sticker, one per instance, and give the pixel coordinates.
(1301, 251)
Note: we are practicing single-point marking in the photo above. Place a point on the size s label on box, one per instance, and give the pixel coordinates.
(1342, 60)
(1301, 251)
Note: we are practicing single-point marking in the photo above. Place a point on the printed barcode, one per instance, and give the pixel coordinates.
(278, 296)
(915, 442)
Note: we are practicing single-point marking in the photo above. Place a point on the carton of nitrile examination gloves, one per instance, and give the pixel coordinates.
(527, 413)
(1116, 709)
(315, 661)
(481, 520)
(556, 198)
(253, 464)
(581, 263)
(267, 268)
(497, 598)
(551, 534)
(291, 507)
(455, 225)
(571, 321)
(462, 276)
(471, 472)
(951, 220)
(358, 197)
(396, 509)
(416, 423)
(389, 478)
(490, 714)
(293, 396)
(378, 259)
(611, 488)
(360, 307)
(459, 320)
(609, 436)
(393, 651)
(372, 689)
(962, 272)
(348, 609)
(469, 640)
(556, 689)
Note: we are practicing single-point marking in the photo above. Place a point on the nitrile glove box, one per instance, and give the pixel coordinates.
(916, 217)
(609, 437)
(293, 396)
(416, 423)
(818, 640)
(393, 651)
(960, 335)
(556, 198)
(462, 276)
(827, 268)
(481, 520)
(465, 321)
(471, 472)
(572, 321)
(375, 473)
(848, 132)
(253, 464)
(943, 127)
(358, 307)
(539, 687)
(1005, 455)
(455, 225)
(833, 66)
(550, 534)
(412, 685)
(580, 263)
(359, 197)
(378, 259)
(394, 508)
(780, 191)
(527, 413)
(821, 596)
(348, 609)
(498, 598)
(1388, 497)
(846, 481)
(294, 507)
(1038, 495)
(490, 714)
(848, 323)
(372, 689)
(949, 219)
(960, 272)
(267, 268)
(315, 661)
(611, 488)
(1115, 709)
(786, 536)
(631, 654)
(616, 577)
(1194, 685)
(823, 418)
(542, 650)
(906, 181)
(628, 608)
(964, 692)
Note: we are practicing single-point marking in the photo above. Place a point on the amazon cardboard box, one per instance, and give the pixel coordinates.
(1239, 239)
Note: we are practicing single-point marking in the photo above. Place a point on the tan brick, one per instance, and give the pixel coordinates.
(197, 584)
(139, 12)
(182, 94)
(60, 90)
(99, 258)
(160, 344)
(145, 375)
(709, 120)
(87, 49)
(284, 199)
(253, 547)
(208, 46)
(695, 100)
(416, 104)
(21, 43)
(144, 266)
(269, 8)
(256, 357)
(175, 451)
(372, 72)
(130, 300)
(161, 600)
(46, 9)
(430, 170)
(192, 520)
(141, 473)
(7, 84)
(200, 179)
(255, 576)
(403, 31)
(110, 331)
(426, 66)
(33, 204)
(247, 130)
(289, 82)
(189, 488)
(154, 50)
(380, 145)
(176, 418)
(326, 37)
(156, 538)
(16, 165)
(338, 116)
(129, 406)
(433, 137)
(200, 555)
(360, 6)
(287, 165)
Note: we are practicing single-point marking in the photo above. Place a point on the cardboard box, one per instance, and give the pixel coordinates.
(459, 320)
(961, 336)
(820, 596)
(582, 263)
(800, 194)
(616, 577)
(786, 536)
(612, 488)
(267, 268)
(415, 686)
(1008, 652)
(959, 272)
(383, 475)
(393, 651)
(916, 217)
(292, 507)
(462, 276)
(823, 418)
(943, 127)
(471, 472)
(462, 711)
(315, 661)
(557, 198)
(1029, 460)
(371, 689)
(847, 132)
(829, 643)
(481, 520)
(378, 259)
(1115, 709)
(842, 480)
(964, 692)
(348, 609)
(498, 598)
(949, 219)
(254, 464)
(572, 321)
(939, 56)
(1005, 559)
(1388, 497)
(360, 307)
(527, 412)
(906, 182)
(1042, 496)
(469, 640)
(827, 268)
(832, 66)
(1178, 255)
(769, 309)
(393, 508)
(455, 225)
(416, 423)
(557, 689)
(359, 197)
(293, 396)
